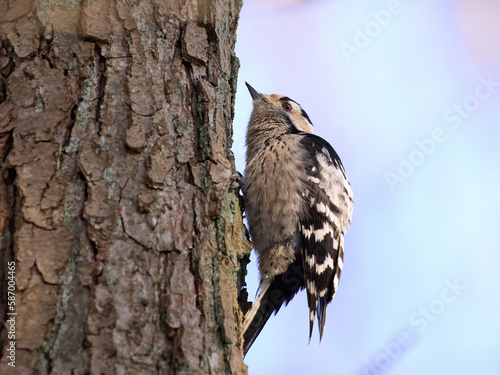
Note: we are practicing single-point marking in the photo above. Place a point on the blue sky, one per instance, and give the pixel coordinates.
(408, 93)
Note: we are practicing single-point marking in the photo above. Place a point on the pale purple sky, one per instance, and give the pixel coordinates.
(408, 93)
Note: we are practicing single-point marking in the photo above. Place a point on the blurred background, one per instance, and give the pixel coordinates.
(408, 93)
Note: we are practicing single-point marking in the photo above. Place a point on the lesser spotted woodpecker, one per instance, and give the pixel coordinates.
(298, 205)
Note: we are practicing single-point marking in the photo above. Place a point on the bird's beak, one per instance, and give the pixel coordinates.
(255, 95)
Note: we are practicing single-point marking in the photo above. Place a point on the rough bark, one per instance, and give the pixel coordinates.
(118, 191)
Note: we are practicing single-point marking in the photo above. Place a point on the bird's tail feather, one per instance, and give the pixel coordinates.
(256, 317)
(273, 294)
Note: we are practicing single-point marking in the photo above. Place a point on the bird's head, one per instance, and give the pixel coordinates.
(278, 110)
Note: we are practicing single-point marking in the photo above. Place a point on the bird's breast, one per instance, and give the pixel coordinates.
(273, 193)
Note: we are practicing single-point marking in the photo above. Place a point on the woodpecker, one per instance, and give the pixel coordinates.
(299, 204)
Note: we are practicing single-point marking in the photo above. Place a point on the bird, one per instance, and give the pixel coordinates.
(298, 203)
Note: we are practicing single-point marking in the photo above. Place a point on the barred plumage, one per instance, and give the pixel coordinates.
(299, 205)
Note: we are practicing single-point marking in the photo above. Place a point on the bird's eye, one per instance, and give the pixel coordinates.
(286, 106)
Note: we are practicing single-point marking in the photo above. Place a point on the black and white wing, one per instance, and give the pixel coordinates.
(327, 216)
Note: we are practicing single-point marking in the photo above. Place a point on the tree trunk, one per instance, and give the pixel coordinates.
(118, 192)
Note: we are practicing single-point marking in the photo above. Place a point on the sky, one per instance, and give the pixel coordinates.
(408, 93)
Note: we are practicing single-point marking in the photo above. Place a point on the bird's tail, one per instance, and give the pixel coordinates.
(257, 316)
(273, 294)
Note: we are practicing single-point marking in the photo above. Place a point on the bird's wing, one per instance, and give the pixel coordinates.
(327, 216)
